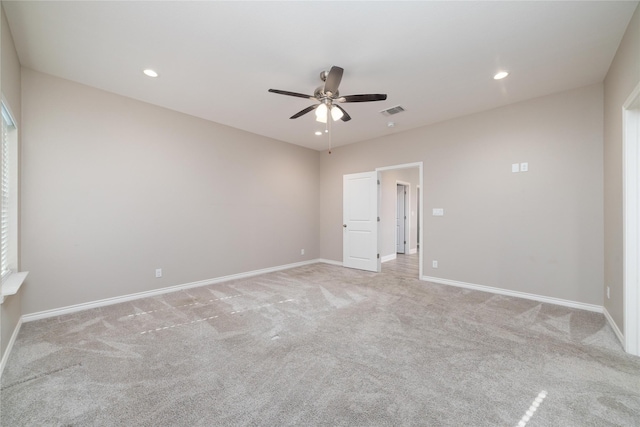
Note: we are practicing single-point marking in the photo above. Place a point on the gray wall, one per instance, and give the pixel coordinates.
(11, 309)
(622, 78)
(539, 232)
(114, 188)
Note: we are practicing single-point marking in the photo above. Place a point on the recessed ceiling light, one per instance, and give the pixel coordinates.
(318, 133)
(501, 75)
(149, 72)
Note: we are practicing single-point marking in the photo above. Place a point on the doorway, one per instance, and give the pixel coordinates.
(374, 208)
(409, 177)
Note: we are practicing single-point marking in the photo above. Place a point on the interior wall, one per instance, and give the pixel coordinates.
(388, 212)
(538, 232)
(10, 83)
(114, 188)
(622, 78)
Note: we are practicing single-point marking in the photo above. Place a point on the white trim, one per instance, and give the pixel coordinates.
(7, 351)
(388, 258)
(613, 325)
(413, 251)
(631, 222)
(517, 294)
(402, 166)
(330, 261)
(124, 298)
(12, 284)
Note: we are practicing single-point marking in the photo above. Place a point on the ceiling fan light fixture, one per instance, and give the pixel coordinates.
(321, 113)
(336, 113)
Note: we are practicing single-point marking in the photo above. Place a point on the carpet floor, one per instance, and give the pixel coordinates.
(322, 345)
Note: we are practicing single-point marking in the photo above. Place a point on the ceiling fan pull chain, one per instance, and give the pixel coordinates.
(330, 134)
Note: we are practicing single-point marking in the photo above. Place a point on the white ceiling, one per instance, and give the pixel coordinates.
(217, 59)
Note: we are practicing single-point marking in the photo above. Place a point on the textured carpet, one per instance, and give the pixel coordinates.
(322, 346)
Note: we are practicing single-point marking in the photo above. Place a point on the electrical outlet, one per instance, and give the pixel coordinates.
(434, 264)
(158, 272)
(608, 292)
(301, 251)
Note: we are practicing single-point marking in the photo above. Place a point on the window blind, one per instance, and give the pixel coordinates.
(4, 211)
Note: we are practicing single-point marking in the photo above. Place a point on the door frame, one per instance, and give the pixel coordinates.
(419, 209)
(420, 167)
(631, 222)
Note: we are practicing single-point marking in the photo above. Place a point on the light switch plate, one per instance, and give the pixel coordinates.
(438, 212)
(515, 167)
(524, 167)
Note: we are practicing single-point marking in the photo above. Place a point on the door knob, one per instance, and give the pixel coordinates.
(344, 225)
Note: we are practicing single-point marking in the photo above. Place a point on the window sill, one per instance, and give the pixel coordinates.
(12, 284)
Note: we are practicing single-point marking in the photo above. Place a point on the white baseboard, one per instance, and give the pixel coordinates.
(500, 291)
(413, 251)
(130, 297)
(613, 325)
(7, 351)
(329, 261)
(390, 257)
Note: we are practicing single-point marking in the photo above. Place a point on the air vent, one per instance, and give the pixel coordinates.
(393, 110)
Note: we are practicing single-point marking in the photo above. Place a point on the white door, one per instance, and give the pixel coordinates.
(360, 221)
(400, 220)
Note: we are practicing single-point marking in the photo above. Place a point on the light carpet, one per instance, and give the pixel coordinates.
(322, 345)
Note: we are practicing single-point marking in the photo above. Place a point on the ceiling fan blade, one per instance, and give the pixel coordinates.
(333, 80)
(363, 98)
(284, 92)
(303, 112)
(345, 116)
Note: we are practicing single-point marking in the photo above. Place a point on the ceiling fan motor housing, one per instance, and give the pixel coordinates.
(320, 95)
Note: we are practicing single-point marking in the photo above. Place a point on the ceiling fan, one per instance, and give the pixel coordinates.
(328, 96)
